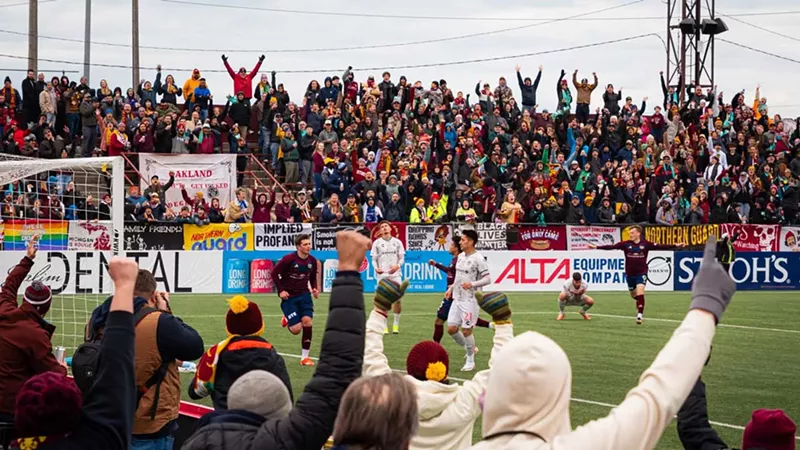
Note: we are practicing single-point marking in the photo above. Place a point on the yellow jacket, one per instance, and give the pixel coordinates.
(189, 87)
(435, 213)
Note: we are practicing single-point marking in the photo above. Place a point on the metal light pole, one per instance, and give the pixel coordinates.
(33, 34)
(135, 34)
(87, 38)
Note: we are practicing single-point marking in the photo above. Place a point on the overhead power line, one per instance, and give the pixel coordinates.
(9, 5)
(340, 49)
(334, 70)
(776, 33)
(432, 17)
(764, 52)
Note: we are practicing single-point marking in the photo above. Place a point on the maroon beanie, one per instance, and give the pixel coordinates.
(244, 317)
(49, 404)
(428, 361)
(39, 296)
(769, 429)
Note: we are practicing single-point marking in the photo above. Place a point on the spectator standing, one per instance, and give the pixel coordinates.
(240, 113)
(262, 205)
(192, 83)
(89, 111)
(157, 188)
(529, 90)
(584, 90)
(30, 98)
(242, 81)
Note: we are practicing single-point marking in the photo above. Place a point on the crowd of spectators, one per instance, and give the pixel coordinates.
(353, 151)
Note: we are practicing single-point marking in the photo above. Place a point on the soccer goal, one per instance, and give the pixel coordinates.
(76, 209)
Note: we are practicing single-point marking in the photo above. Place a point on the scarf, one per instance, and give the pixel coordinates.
(11, 97)
(370, 216)
(203, 381)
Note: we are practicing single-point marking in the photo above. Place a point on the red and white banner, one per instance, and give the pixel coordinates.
(90, 235)
(547, 272)
(213, 175)
(531, 237)
(398, 231)
(789, 237)
(753, 238)
(428, 237)
(579, 237)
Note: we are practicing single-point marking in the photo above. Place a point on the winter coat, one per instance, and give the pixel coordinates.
(310, 422)
(611, 102)
(447, 412)
(584, 90)
(240, 113)
(189, 86)
(529, 92)
(262, 213)
(47, 102)
(25, 349)
(530, 384)
(243, 84)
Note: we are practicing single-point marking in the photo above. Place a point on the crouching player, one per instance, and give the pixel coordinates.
(574, 294)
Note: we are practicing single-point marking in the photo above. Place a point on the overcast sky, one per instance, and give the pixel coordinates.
(633, 65)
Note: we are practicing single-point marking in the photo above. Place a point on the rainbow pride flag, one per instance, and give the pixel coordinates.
(53, 234)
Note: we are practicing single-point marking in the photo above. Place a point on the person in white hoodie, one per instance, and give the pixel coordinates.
(528, 393)
(447, 411)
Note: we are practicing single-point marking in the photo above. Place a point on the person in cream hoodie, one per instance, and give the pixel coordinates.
(528, 393)
(447, 411)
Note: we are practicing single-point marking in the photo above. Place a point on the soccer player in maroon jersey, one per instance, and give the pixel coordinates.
(636, 251)
(444, 308)
(292, 276)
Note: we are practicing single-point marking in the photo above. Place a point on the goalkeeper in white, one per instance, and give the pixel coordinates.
(388, 256)
(472, 273)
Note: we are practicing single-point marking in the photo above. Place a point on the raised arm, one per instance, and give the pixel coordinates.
(15, 278)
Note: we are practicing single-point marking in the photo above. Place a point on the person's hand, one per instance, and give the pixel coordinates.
(314, 292)
(224, 58)
(32, 248)
(680, 244)
(158, 68)
(713, 288)
(378, 271)
(576, 71)
(162, 301)
(283, 295)
(262, 58)
(123, 271)
(388, 292)
(466, 285)
(592, 246)
(496, 305)
(517, 68)
(171, 173)
(431, 262)
(352, 246)
(394, 269)
(645, 99)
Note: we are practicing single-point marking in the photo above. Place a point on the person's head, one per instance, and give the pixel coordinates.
(39, 297)
(469, 238)
(48, 405)
(145, 286)
(303, 244)
(334, 200)
(240, 194)
(378, 413)
(577, 279)
(261, 393)
(769, 429)
(635, 233)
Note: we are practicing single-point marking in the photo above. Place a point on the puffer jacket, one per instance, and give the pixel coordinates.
(447, 412)
(310, 422)
(530, 384)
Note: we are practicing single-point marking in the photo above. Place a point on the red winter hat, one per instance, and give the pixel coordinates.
(769, 429)
(39, 296)
(428, 361)
(49, 404)
(244, 317)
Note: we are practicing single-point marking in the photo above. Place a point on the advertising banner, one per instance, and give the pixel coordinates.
(398, 231)
(751, 270)
(753, 238)
(788, 242)
(603, 271)
(579, 237)
(218, 236)
(213, 175)
(279, 236)
(52, 234)
(75, 272)
(691, 235)
(429, 237)
(155, 236)
(491, 236)
(90, 235)
(538, 237)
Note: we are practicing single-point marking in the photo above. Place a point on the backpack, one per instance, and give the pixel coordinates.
(87, 355)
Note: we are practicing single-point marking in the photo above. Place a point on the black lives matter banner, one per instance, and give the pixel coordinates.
(153, 237)
(491, 236)
(279, 236)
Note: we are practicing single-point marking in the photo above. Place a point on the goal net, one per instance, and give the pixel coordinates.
(76, 209)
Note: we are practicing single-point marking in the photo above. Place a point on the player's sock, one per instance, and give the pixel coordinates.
(561, 306)
(640, 304)
(397, 319)
(586, 307)
(483, 323)
(438, 332)
(470, 347)
(306, 342)
(460, 339)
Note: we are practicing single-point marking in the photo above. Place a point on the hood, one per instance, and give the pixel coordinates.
(542, 378)
(433, 397)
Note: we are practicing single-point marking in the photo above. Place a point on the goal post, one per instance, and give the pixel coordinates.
(77, 208)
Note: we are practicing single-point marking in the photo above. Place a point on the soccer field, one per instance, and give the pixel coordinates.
(755, 361)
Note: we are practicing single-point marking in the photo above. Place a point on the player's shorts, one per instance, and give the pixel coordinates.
(575, 300)
(297, 307)
(634, 280)
(463, 314)
(444, 309)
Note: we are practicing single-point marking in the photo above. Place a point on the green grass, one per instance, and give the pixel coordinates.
(750, 368)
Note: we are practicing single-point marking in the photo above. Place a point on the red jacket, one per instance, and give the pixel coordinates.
(25, 348)
(243, 84)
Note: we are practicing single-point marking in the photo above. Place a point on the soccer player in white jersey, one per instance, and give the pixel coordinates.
(574, 294)
(388, 256)
(472, 273)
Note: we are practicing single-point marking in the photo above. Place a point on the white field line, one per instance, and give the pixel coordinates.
(576, 400)
(537, 313)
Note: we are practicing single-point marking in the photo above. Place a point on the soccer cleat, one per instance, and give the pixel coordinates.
(639, 319)
(307, 362)
(386, 330)
(395, 329)
(585, 315)
(284, 322)
(560, 316)
(469, 366)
